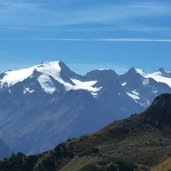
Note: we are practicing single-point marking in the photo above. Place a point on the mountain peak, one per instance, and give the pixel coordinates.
(52, 68)
(139, 71)
(133, 71)
(50, 62)
(100, 72)
(15, 76)
(164, 73)
(161, 69)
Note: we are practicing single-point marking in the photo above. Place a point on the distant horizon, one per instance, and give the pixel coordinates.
(74, 67)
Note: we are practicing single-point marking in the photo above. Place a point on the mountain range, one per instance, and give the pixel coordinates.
(141, 142)
(44, 105)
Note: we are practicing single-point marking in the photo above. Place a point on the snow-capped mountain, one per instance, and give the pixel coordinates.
(46, 104)
(47, 74)
(143, 87)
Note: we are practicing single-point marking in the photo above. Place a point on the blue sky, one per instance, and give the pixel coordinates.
(86, 34)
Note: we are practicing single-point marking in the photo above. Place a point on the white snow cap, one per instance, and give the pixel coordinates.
(15, 76)
(47, 70)
(160, 78)
(53, 69)
(157, 76)
(140, 71)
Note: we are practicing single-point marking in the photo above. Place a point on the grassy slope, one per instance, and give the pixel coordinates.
(165, 166)
(140, 142)
(79, 162)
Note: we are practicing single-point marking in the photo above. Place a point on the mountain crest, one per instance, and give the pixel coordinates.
(134, 70)
(164, 73)
(161, 69)
(159, 113)
(102, 73)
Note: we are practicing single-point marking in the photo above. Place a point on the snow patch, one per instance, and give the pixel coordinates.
(27, 90)
(47, 84)
(87, 85)
(94, 94)
(13, 77)
(133, 96)
(140, 71)
(145, 81)
(159, 78)
(135, 92)
(124, 84)
(155, 91)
